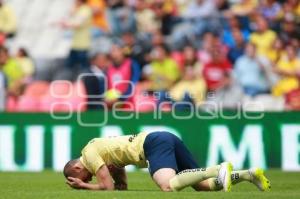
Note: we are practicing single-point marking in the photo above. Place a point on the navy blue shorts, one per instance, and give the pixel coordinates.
(165, 150)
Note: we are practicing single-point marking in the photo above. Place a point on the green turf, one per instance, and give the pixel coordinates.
(51, 185)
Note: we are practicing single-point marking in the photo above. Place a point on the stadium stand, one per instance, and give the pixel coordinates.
(42, 38)
(174, 43)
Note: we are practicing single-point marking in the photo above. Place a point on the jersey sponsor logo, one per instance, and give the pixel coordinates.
(131, 138)
(192, 170)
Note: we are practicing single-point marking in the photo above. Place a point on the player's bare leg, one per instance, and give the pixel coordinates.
(162, 177)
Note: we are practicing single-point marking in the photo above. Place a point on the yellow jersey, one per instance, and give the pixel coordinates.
(99, 18)
(263, 41)
(82, 35)
(287, 84)
(118, 151)
(164, 74)
(8, 21)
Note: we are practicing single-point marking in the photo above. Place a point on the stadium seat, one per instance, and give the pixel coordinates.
(31, 99)
(37, 88)
(142, 102)
(61, 89)
(65, 96)
(264, 103)
(292, 100)
(11, 104)
(78, 99)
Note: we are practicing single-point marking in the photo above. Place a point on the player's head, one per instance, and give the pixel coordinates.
(75, 169)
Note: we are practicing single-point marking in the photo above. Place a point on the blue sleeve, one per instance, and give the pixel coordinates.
(246, 35)
(136, 72)
(5, 80)
(227, 38)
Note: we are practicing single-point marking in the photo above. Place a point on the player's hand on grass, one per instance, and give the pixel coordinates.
(75, 183)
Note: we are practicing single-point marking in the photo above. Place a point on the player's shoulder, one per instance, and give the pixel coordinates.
(94, 140)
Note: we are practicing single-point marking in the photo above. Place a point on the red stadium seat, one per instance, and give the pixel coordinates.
(142, 102)
(78, 99)
(30, 100)
(11, 104)
(61, 89)
(65, 97)
(292, 100)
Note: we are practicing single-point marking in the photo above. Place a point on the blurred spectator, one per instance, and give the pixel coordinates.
(135, 48)
(234, 25)
(223, 91)
(263, 38)
(291, 8)
(271, 10)
(81, 23)
(290, 30)
(293, 100)
(237, 50)
(296, 6)
(200, 9)
(189, 92)
(204, 53)
(146, 20)
(202, 15)
(205, 38)
(162, 72)
(3, 87)
(8, 22)
(192, 87)
(122, 74)
(276, 52)
(2, 39)
(95, 80)
(249, 71)
(244, 7)
(221, 46)
(99, 17)
(157, 39)
(217, 72)
(190, 59)
(164, 11)
(121, 17)
(288, 68)
(13, 72)
(25, 63)
(182, 5)
(222, 5)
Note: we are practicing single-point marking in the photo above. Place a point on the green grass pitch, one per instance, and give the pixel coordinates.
(51, 185)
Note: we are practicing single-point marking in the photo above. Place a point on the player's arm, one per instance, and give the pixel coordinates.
(119, 176)
(104, 181)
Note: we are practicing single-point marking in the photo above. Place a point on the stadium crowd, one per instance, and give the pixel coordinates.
(190, 51)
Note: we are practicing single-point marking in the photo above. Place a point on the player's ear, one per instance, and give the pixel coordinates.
(77, 168)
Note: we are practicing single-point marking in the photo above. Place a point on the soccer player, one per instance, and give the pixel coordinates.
(170, 164)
